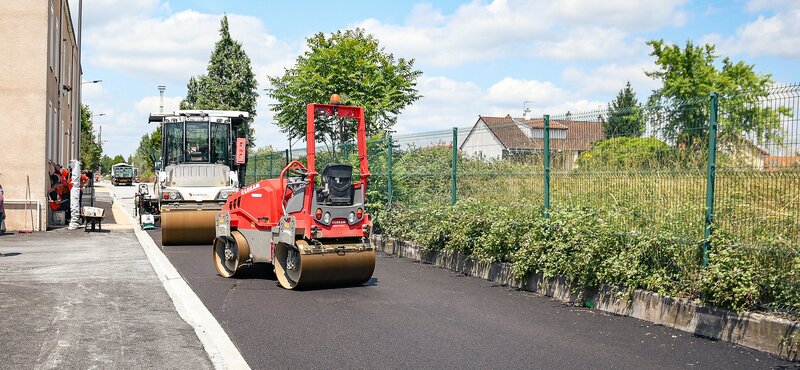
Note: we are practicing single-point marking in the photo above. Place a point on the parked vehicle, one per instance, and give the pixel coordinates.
(122, 174)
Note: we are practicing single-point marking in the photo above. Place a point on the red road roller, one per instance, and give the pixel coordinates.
(312, 227)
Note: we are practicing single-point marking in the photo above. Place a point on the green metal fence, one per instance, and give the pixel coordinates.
(714, 167)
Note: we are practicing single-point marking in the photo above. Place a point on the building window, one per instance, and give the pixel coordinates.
(50, 36)
(49, 130)
(57, 47)
(61, 140)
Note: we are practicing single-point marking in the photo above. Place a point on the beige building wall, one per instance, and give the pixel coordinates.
(38, 99)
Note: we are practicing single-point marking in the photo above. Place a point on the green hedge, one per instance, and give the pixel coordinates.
(594, 247)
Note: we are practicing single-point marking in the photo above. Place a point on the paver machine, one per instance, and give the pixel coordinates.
(201, 159)
(312, 227)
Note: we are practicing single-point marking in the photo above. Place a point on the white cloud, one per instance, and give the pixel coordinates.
(92, 91)
(610, 78)
(442, 109)
(509, 91)
(150, 104)
(775, 35)
(588, 43)
(98, 12)
(775, 5)
(481, 31)
(168, 50)
(174, 48)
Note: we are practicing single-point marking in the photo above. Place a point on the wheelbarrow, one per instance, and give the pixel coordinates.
(93, 216)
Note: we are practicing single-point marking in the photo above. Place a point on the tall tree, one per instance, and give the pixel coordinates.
(350, 63)
(689, 76)
(624, 115)
(229, 82)
(91, 149)
(148, 151)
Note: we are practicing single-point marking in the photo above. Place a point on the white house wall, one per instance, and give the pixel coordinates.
(538, 133)
(481, 143)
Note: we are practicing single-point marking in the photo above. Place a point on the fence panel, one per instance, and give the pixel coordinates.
(500, 164)
(622, 161)
(758, 187)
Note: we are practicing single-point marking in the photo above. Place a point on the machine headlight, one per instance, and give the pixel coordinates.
(327, 218)
(351, 217)
(224, 194)
(171, 195)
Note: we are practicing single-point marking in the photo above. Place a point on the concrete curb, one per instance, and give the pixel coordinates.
(765, 333)
(219, 347)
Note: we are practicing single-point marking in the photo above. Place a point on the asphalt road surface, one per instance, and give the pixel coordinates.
(412, 315)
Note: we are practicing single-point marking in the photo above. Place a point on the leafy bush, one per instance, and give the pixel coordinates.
(627, 153)
(592, 247)
(731, 279)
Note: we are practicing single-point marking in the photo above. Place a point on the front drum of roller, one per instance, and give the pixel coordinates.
(307, 271)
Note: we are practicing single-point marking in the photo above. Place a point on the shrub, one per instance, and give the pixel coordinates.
(627, 153)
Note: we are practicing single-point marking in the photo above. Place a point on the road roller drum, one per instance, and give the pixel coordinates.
(299, 266)
(180, 226)
(230, 253)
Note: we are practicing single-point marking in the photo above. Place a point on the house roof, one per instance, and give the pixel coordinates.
(776, 161)
(580, 134)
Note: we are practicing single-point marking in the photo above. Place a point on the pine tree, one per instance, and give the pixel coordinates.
(624, 116)
(229, 82)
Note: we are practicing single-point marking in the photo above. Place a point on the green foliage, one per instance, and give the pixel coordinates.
(624, 115)
(350, 63)
(689, 76)
(148, 151)
(229, 82)
(593, 247)
(91, 150)
(628, 153)
(426, 171)
(629, 233)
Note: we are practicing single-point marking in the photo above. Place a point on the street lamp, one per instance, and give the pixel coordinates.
(91, 82)
(100, 134)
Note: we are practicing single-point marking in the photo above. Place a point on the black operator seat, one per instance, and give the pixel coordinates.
(338, 183)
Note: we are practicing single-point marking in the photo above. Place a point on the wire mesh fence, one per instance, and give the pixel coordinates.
(717, 176)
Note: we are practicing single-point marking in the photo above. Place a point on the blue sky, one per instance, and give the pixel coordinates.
(477, 57)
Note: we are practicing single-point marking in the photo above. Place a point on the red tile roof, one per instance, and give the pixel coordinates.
(580, 134)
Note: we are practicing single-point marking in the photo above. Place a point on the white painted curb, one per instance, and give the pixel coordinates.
(221, 350)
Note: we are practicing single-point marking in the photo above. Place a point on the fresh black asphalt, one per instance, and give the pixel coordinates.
(412, 315)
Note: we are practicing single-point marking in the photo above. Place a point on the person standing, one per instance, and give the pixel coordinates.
(2, 214)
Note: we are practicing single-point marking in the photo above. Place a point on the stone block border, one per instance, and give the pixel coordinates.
(762, 332)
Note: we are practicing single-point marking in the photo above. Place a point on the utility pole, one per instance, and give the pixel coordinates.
(161, 89)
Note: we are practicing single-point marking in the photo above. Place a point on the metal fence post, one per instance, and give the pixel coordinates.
(453, 172)
(271, 157)
(389, 173)
(546, 165)
(711, 177)
(255, 168)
